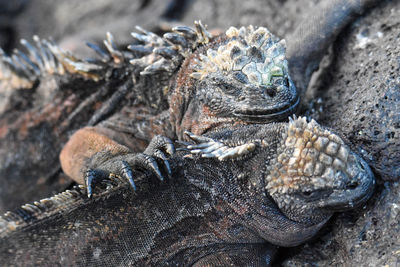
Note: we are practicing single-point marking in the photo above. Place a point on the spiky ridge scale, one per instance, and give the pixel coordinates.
(149, 52)
(255, 52)
(27, 213)
(20, 70)
(309, 157)
(167, 53)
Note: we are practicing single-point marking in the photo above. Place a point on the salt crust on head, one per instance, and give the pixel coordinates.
(254, 51)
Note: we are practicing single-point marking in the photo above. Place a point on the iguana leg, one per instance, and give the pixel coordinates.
(91, 156)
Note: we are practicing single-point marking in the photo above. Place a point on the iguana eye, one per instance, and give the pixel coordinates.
(271, 91)
(312, 195)
(278, 81)
(229, 89)
(281, 81)
(225, 87)
(307, 194)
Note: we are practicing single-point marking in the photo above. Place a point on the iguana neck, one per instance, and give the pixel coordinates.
(247, 211)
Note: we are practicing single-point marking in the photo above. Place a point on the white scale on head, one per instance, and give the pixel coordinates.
(255, 52)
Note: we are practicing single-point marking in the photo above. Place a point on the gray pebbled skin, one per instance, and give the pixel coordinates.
(209, 212)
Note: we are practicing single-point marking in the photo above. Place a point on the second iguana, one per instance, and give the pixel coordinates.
(283, 184)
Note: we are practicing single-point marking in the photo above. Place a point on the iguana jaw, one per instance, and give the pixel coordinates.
(267, 115)
(355, 193)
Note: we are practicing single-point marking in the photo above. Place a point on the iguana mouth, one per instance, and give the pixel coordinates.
(355, 193)
(267, 115)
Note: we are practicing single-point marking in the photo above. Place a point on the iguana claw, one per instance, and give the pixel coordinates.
(128, 174)
(209, 148)
(92, 176)
(123, 166)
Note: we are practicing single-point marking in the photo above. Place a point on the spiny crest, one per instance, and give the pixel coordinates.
(21, 70)
(62, 202)
(11, 221)
(166, 53)
(255, 52)
(149, 52)
(309, 157)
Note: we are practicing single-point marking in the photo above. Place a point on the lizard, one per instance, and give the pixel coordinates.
(219, 208)
(60, 197)
(163, 62)
(239, 78)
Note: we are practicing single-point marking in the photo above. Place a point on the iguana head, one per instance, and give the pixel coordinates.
(315, 173)
(245, 75)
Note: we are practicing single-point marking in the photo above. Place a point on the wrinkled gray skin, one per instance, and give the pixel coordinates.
(207, 213)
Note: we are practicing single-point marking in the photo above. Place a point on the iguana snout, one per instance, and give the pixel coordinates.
(357, 187)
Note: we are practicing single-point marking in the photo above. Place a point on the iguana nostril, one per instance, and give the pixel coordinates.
(352, 185)
(271, 91)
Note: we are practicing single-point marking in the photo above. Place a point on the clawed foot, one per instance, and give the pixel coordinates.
(210, 148)
(123, 166)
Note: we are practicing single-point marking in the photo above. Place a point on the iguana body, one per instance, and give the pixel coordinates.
(267, 189)
(242, 77)
(210, 212)
(138, 122)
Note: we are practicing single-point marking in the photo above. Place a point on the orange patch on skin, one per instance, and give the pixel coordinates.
(3, 131)
(209, 120)
(50, 113)
(82, 145)
(98, 105)
(207, 111)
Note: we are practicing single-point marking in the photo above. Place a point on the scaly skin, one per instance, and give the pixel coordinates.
(207, 94)
(212, 210)
(136, 94)
(247, 207)
(241, 77)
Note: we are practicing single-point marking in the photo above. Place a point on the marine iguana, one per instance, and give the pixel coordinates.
(279, 190)
(47, 126)
(23, 211)
(239, 78)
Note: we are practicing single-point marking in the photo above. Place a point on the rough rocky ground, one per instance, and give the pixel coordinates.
(361, 99)
(74, 22)
(363, 84)
(360, 93)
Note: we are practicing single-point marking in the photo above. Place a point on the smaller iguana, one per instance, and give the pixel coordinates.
(252, 188)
